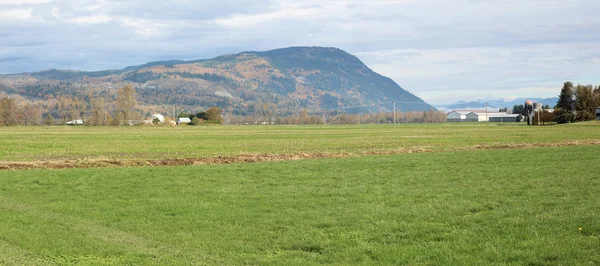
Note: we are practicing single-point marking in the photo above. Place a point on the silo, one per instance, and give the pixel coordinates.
(529, 113)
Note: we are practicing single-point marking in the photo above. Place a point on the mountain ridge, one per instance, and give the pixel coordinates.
(501, 103)
(292, 78)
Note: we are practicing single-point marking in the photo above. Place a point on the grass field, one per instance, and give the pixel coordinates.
(79, 143)
(533, 206)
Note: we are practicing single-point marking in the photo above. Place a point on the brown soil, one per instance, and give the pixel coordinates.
(252, 158)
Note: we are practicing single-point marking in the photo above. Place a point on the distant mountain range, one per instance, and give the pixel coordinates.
(496, 104)
(287, 80)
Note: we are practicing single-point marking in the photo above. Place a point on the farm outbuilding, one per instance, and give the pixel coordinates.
(476, 117)
(456, 116)
(183, 120)
(159, 117)
(482, 116)
(505, 118)
(75, 122)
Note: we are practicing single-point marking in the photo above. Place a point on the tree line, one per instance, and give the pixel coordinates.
(122, 109)
(575, 103)
(305, 117)
(90, 110)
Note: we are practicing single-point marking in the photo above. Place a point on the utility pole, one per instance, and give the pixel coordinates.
(486, 115)
(394, 103)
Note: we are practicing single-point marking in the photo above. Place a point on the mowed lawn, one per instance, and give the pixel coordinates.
(89, 143)
(513, 206)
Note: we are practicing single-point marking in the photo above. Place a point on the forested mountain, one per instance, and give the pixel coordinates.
(283, 81)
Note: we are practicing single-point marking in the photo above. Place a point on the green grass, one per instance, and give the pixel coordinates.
(77, 143)
(514, 206)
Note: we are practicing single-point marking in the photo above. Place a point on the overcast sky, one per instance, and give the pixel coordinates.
(441, 50)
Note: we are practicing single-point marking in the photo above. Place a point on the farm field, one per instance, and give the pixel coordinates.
(507, 206)
(450, 194)
(38, 144)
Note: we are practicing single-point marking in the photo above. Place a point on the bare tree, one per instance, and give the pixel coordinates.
(126, 102)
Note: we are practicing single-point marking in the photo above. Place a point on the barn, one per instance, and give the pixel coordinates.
(504, 118)
(456, 116)
(476, 117)
(482, 116)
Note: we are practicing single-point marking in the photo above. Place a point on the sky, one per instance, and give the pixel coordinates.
(440, 50)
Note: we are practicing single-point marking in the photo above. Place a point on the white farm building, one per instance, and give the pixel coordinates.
(503, 117)
(481, 116)
(183, 120)
(457, 116)
(161, 118)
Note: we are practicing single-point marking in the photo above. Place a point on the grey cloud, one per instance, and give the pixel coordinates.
(437, 44)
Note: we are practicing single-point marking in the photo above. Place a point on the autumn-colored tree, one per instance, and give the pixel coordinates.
(8, 112)
(48, 120)
(126, 103)
(30, 114)
(214, 114)
(64, 107)
(99, 113)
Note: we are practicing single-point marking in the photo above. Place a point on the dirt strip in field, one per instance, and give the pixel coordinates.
(252, 158)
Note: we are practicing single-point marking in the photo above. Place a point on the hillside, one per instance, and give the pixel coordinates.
(286, 80)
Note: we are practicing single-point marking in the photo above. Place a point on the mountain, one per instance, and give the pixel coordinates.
(288, 79)
(481, 104)
(467, 105)
(544, 101)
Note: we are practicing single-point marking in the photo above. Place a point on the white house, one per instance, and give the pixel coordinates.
(183, 120)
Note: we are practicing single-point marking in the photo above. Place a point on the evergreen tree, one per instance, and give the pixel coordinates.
(565, 103)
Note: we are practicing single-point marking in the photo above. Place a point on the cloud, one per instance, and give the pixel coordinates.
(93, 19)
(23, 2)
(287, 12)
(17, 13)
(440, 50)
